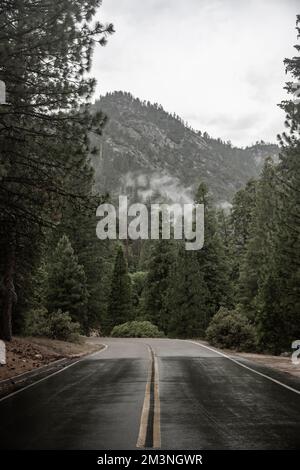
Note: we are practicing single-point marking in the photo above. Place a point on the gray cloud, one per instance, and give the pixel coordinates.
(216, 63)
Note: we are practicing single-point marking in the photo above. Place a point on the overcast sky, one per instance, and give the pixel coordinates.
(216, 63)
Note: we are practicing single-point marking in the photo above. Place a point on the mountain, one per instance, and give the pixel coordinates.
(146, 152)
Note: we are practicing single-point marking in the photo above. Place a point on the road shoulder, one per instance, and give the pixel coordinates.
(277, 368)
(32, 359)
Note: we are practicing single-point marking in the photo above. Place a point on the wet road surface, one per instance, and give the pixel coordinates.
(171, 394)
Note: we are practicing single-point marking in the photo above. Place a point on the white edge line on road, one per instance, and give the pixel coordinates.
(54, 373)
(27, 372)
(246, 367)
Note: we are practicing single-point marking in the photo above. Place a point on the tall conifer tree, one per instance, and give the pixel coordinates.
(67, 286)
(119, 307)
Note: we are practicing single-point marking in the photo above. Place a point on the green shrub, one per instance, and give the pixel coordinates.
(62, 327)
(58, 325)
(37, 323)
(232, 330)
(137, 329)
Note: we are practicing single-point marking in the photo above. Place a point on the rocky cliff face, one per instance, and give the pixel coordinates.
(149, 153)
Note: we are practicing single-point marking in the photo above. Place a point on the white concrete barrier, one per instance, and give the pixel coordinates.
(2, 353)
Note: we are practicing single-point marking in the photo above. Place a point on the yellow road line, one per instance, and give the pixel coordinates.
(145, 416)
(156, 419)
(141, 442)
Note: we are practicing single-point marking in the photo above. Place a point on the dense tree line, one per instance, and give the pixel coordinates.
(242, 289)
(269, 282)
(248, 269)
(45, 52)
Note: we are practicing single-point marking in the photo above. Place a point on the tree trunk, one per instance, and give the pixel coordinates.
(8, 295)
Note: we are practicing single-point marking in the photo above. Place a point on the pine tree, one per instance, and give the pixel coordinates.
(276, 279)
(157, 282)
(256, 265)
(212, 259)
(96, 256)
(241, 217)
(186, 288)
(138, 280)
(187, 297)
(280, 296)
(67, 286)
(45, 53)
(288, 246)
(270, 280)
(119, 307)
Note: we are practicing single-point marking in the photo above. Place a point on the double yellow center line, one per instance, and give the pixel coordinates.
(149, 433)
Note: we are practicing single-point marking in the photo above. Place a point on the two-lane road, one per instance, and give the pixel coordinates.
(169, 393)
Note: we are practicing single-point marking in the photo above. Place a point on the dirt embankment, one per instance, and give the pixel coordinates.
(26, 354)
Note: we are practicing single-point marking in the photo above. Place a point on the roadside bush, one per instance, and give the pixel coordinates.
(232, 330)
(58, 325)
(62, 327)
(137, 329)
(37, 323)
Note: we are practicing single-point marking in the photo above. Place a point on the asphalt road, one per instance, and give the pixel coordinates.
(155, 393)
